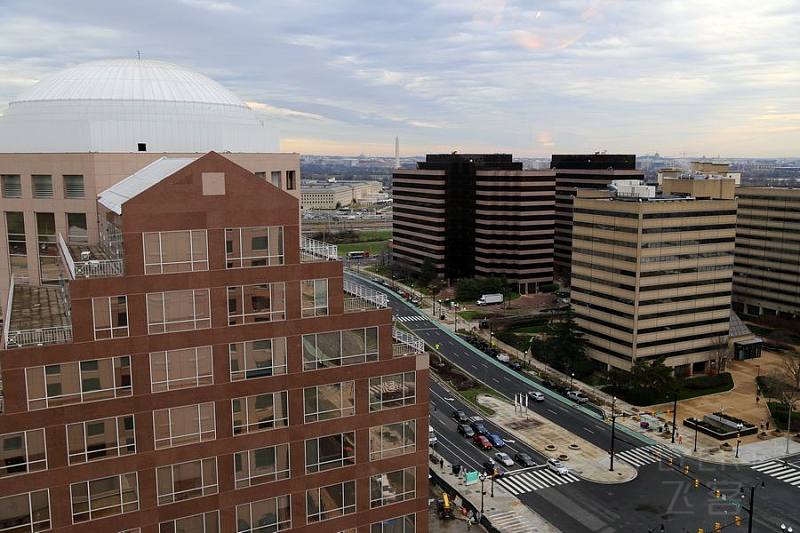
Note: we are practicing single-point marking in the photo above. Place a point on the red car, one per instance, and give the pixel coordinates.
(482, 442)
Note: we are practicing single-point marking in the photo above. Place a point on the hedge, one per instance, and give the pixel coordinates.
(780, 413)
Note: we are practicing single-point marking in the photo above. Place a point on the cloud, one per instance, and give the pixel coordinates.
(213, 5)
(282, 112)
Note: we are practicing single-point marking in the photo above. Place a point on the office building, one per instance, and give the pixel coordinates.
(766, 278)
(652, 275)
(583, 171)
(336, 194)
(204, 369)
(83, 129)
(475, 215)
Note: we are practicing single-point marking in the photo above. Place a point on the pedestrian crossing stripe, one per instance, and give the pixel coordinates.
(533, 480)
(781, 471)
(509, 522)
(415, 318)
(646, 455)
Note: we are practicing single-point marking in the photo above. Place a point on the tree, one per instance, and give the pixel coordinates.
(721, 354)
(790, 368)
(566, 347)
(653, 376)
(427, 272)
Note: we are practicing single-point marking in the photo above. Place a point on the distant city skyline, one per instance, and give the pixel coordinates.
(718, 78)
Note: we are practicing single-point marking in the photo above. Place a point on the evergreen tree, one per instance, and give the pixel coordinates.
(566, 346)
(427, 272)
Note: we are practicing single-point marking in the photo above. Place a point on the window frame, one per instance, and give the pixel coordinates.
(405, 495)
(278, 525)
(67, 188)
(174, 522)
(315, 309)
(384, 523)
(342, 462)
(200, 432)
(205, 490)
(250, 479)
(192, 262)
(242, 374)
(200, 380)
(271, 260)
(118, 419)
(118, 392)
(27, 463)
(252, 427)
(241, 318)
(344, 510)
(381, 403)
(34, 525)
(403, 449)
(316, 416)
(89, 511)
(319, 364)
(111, 329)
(40, 186)
(4, 186)
(196, 323)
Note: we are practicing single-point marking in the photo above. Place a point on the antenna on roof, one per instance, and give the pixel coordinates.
(138, 55)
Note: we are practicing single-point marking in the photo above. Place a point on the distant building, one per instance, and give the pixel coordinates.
(700, 170)
(475, 215)
(652, 274)
(583, 171)
(767, 271)
(332, 195)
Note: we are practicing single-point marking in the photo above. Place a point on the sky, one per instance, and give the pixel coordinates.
(341, 77)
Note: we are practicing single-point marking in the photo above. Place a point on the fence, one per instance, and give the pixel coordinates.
(313, 250)
(407, 343)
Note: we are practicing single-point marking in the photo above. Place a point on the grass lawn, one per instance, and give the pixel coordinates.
(472, 315)
(530, 329)
(375, 235)
(374, 248)
(719, 383)
(760, 330)
(471, 395)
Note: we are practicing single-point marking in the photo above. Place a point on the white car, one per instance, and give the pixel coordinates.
(536, 395)
(504, 459)
(577, 396)
(556, 466)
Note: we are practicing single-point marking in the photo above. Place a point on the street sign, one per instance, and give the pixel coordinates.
(470, 478)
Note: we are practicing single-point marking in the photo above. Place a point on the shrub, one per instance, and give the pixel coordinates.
(548, 287)
(709, 382)
(780, 413)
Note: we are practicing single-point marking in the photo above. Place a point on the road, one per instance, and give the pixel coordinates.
(661, 494)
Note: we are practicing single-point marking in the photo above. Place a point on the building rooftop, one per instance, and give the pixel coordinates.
(38, 315)
(138, 182)
(738, 328)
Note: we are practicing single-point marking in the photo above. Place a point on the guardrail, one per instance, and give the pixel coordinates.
(313, 250)
(67, 256)
(377, 299)
(98, 268)
(407, 343)
(41, 336)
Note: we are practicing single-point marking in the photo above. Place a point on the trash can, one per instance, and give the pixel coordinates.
(456, 469)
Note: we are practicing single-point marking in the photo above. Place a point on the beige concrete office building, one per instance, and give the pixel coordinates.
(767, 269)
(652, 276)
(338, 194)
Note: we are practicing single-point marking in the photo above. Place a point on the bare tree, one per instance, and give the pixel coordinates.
(721, 353)
(790, 362)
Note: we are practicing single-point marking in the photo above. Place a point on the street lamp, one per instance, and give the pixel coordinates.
(696, 425)
(571, 377)
(482, 477)
(613, 428)
(784, 527)
(750, 510)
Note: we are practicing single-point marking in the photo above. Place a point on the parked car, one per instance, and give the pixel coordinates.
(496, 440)
(556, 466)
(482, 442)
(479, 428)
(515, 365)
(536, 396)
(524, 459)
(577, 396)
(504, 459)
(489, 466)
(465, 430)
(460, 416)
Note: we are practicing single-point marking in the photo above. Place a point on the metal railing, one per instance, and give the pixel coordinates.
(363, 297)
(40, 336)
(91, 268)
(407, 343)
(313, 250)
(67, 256)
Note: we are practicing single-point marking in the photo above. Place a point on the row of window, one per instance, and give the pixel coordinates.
(190, 309)
(93, 440)
(42, 186)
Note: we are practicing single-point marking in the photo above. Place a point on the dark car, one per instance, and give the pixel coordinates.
(479, 428)
(489, 466)
(460, 416)
(515, 365)
(496, 440)
(482, 442)
(465, 430)
(524, 459)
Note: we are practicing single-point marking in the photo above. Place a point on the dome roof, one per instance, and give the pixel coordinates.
(130, 79)
(128, 105)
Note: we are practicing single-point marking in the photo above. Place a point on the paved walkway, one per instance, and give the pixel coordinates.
(584, 459)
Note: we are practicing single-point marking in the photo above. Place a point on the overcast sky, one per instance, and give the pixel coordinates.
(523, 76)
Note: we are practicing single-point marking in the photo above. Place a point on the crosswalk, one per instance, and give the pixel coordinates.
(413, 318)
(510, 522)
(781, 471)
(646, 455)
(533, 480)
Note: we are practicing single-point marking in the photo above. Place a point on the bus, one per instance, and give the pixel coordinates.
(357, 254)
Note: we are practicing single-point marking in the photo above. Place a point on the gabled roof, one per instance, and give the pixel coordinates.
(138, 182)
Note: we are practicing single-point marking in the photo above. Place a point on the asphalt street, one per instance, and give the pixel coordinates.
(661, 493)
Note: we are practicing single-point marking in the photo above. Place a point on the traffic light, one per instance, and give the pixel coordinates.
(737, 520)
(686, 469)
(696, 483)
(717, 493)
(717, 526)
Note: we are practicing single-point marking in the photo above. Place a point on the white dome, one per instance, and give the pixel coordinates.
(116, 105)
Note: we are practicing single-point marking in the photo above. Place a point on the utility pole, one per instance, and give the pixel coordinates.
(674, 415)
(613, 428)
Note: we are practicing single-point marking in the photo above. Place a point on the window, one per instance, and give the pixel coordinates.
(260, 412)
(392, 487)
(254, 247)
(178, 311)
(110, 317)
(49, 260)
(141, 147)
(325, 402)
(73, 186)
(390, 440)
(22, 452)
(11, 185)
(265, 302)
(265, 516)
(17, 246)
(184, 481)
(261, 175)
(290, 185)
(181, 369)
(26, 512)
(340, 348)
(255, 359)
(77, 231)
(186, 424)
(401, 524)
(77, 382)
(314, 295)
(261, 465)
(394, 390)
(168, 252)
(276, 178)
(330, 451)
(199, 523)
(103, 497)
(325, 503)
(100, 439)
(42, 186)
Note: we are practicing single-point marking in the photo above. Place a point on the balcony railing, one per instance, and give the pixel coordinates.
(312, 250)
(38, 337)
(362, 298)
(406, 343)
(89, 268)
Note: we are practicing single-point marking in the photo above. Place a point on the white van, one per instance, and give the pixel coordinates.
(432, 436)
